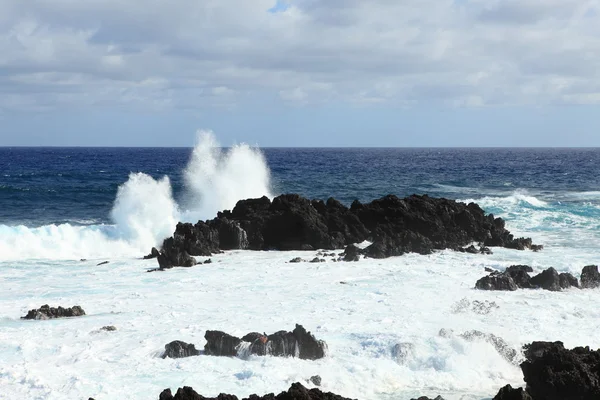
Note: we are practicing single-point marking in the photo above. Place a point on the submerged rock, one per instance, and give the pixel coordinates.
(47, 312)
(295, 392)
(503, 348)
(298, 343)
(179, 349)
(395, 226)
(496, 281)
(315, 380)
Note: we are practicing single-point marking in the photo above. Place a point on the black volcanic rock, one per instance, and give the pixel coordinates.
(590, 277)
(555, 373)
(520, 274)
(179, 349)
(47, 312)
(496, 281)
(427, 398)
(395, 226)
(295, 392)
(509, 393)
(547, 279)
(351, 253)
(298, 343)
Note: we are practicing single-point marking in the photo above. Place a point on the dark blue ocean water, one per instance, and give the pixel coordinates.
(40, 186)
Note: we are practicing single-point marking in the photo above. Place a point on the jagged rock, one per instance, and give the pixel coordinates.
(315, 380)
(520, 274)
(508, 393)
(179, 349)
(547, 279)
(295, 392)
(47, 312)
(298, 343)
(590, 277)
(153, 254)
(555, 373)
(395, 226)
(496, 281)
(296, 260)
(317, 260)
(507, 352)
(566, 280)
(351, 253)
(471, 250)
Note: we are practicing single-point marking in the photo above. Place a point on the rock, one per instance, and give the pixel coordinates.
(108, 328)
(547, 279)
(221, 344)
(487, 269)
(296, 260)
(555, 373)
(295, 392)
(47, 312)
(179, 349)
(520, 275)
(590, 277)
(485, 250)
(395, 226)
(102, 263)
(315, 380)
(508, 393)
(536, 247)
(298, 343)
(207, 261)
(496, 281)
(471, 250)
(401, 352)
(315, 260)
(427, 398)
(566, 280)
(153, 254)
(351, 253)
(507, 352)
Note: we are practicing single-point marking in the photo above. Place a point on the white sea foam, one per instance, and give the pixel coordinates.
(406, 299)
(144, 212)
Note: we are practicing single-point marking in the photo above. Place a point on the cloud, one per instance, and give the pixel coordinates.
(190, 54)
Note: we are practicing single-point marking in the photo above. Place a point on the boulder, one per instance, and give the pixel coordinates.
(496, 281)
(351, 253)
(555, 373)
(315, 380)
(590, 277)
(520, 274)
(179, 349)
(47, 312)
(221, 344)
(153, 254)
(547, 279)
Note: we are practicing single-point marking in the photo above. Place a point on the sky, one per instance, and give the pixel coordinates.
(402, 73)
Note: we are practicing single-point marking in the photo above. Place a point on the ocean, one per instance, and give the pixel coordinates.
(65, 210)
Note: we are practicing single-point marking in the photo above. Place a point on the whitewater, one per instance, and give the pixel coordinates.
(361, 309)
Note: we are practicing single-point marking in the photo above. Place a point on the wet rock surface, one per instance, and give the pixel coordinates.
(47, 312)
(298, 343)
(419, 224)
(517, 276)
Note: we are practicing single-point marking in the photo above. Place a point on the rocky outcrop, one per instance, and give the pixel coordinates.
(427, 398)
(179, 349)
(555, 373)
(517, 276)
(509, 393)
(298, 343)
(590, 277)
(47, 312)
(395, 226)
(295, 392)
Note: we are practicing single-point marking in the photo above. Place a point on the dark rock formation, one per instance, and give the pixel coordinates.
(508, 393)
(427, 398)
(298, 343)
(109, 328)
(351, 253)
(179, 349)
(496, 281)
(555, 373)
(296, 260)
(153, 254)
(102, 263)
(47, 312)
(395, 226)
(553, 281)
(295, 392)
(590, 277)
(315, 380)
(520, 274)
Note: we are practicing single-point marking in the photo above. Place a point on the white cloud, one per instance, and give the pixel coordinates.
(194, 54)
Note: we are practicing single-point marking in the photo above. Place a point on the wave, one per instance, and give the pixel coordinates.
(517, 198)
(145, 212)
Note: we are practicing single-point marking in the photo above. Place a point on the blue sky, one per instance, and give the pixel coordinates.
(300, 73)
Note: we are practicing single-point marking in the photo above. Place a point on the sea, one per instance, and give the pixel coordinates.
(64, 211)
